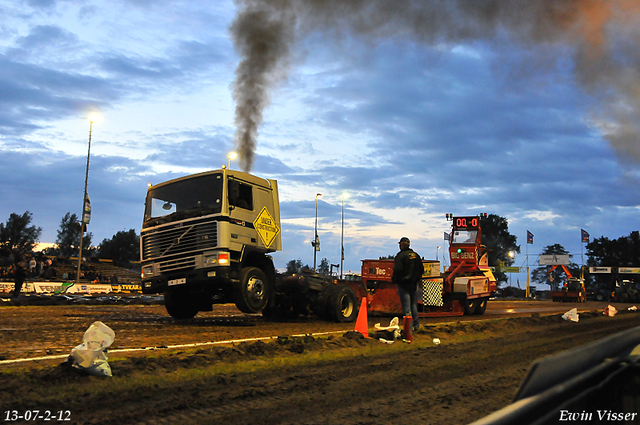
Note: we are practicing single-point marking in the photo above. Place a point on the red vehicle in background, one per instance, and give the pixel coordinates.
(464, 288)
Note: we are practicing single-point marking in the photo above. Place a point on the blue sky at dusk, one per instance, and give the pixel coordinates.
(410, 109)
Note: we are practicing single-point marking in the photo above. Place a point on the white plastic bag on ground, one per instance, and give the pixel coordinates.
(633, 308)
(571, 315)
(91, 355)
(388, 334)
(610, 311)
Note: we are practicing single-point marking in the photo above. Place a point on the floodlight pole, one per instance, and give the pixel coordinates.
(316, 241)
(84, 201)
(342, 240)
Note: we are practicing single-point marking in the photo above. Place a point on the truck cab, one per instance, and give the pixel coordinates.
(206, 238)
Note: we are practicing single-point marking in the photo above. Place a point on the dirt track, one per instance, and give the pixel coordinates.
(312, 380)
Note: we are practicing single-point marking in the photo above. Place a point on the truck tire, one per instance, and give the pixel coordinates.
(179, 304)
(252, 291)
(481, 305)
(342, 304)
(469, 307)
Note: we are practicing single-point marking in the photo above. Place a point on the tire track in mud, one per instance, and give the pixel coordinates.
(456, 383)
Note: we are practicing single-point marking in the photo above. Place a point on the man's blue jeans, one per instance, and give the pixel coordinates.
(409, 305)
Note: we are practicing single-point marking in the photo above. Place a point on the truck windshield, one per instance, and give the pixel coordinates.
(464, 236)
(186, 198)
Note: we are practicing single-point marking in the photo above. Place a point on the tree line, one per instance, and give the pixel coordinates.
(621, 252)
(600, 252)
(296, 267)
(19, 235)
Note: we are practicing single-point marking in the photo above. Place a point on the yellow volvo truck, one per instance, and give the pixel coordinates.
(206, 238)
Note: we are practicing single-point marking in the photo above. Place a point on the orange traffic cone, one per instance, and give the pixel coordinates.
(362, 323)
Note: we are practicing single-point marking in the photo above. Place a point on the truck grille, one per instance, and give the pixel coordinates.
(181, 263)
(178, 240)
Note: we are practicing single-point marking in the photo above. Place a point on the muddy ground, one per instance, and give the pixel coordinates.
(312, 373)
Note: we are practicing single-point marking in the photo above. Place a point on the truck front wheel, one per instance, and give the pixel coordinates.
(252, 290)
(342, 304)
(179, 304)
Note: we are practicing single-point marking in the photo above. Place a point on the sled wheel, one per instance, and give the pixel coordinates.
(469, 307)
(342, 304)
(179, 304)
(320, 307)
(252, 291)
(481, 305)
(280, 310)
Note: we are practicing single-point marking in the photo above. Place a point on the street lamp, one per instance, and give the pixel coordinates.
(437, 250)
(316, 241)
(84, 217)
(512, 255)
(344, 196)
(230, 156)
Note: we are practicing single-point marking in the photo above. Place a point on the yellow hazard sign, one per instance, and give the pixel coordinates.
(266, 227)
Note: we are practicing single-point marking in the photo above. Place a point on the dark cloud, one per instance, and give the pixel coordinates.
(329, 213)
(31, 94)
(49, 75)
(151, 70)
(42, 4)
(43, 37)
(191, 147)
(188, 59)
(465, 139)
(195, 55)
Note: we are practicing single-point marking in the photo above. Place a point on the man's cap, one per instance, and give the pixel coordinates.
(404, 239)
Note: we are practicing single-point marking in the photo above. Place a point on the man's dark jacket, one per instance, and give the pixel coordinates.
(407, 269)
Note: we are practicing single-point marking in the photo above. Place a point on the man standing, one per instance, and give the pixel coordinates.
(407, 271)
(18, 274)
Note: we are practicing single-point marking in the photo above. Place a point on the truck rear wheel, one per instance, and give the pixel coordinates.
(179, 304)
(481, 305)
(342, 304)
(252, 291)
(469, 307)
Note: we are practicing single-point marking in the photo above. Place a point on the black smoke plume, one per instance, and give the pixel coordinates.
(263, 33)
(599, 36)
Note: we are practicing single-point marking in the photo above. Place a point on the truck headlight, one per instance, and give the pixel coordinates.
(211, 260)
(147, 271)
